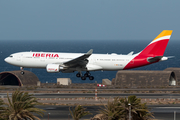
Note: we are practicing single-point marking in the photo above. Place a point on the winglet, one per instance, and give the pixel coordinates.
(131, 53)
(89, 52)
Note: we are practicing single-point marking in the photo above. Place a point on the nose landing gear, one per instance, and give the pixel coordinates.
(22, 72)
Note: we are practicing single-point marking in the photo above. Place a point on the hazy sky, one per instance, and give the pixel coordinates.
(88, 19)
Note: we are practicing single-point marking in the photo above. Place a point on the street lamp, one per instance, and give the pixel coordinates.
(129, 111)
(68, 116)
(48, 115)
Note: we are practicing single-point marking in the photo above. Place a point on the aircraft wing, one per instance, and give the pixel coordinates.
(79, 61)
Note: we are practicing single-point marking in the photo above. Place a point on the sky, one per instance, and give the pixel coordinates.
(88, 19)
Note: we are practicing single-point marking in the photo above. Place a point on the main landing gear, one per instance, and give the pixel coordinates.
(87, 74)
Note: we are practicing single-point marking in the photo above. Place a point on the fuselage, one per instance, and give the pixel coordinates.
(95, 61)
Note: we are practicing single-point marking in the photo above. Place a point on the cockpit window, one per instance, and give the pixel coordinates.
(10, 56)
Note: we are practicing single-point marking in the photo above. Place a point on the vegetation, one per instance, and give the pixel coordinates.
(78, 112)
(2, 109)
(21, 106)
(120, 107)
(112, 111)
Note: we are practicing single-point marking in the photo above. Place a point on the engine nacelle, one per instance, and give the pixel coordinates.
(53, 68)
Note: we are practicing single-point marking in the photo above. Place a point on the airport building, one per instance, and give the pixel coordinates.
(17, 79)
(143, 78)
(124, 78)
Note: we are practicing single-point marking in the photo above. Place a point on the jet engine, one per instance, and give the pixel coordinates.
(53, 68)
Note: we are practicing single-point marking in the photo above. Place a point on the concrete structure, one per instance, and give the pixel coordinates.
(38, 83)
(136, 78)
(177, 72)
(17, 79)
(64, 81)
(106, 82)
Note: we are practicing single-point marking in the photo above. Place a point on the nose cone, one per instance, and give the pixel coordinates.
(6, 59)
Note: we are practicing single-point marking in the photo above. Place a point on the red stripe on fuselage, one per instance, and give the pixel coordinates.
(152, 50)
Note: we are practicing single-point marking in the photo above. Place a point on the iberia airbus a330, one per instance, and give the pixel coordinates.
(70, 62)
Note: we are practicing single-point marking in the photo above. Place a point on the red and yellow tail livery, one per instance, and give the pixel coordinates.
(153, 52)
(158, 45)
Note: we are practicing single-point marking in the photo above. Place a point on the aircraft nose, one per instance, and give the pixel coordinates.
(6, 59)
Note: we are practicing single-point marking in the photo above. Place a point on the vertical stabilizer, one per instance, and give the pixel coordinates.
(158, 45)
(152, 53)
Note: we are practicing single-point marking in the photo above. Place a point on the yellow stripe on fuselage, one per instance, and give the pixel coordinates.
(164, 33)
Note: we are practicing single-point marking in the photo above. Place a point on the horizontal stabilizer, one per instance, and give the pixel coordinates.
(154, 59)
(170, 56)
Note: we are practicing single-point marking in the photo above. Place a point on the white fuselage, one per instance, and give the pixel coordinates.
(42, 59)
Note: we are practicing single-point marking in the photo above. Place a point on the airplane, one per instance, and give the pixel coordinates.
(55, 62)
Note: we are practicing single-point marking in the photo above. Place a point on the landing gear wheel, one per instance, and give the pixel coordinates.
(83, 78)
(78, 75)
(87, 74)
(91, 78)
(22, 72)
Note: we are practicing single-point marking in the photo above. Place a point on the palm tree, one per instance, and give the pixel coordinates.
(78, 112)
(139, 111)
(2, 110)
(22, 106)
(119, 109)
(112, 111)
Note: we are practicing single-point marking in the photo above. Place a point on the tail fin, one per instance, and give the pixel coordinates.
(158, 45)
(153, 52)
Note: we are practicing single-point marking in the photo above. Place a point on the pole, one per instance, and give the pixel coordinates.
(96, 91)
(129, 111)
(174, 115)
(48, 116)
